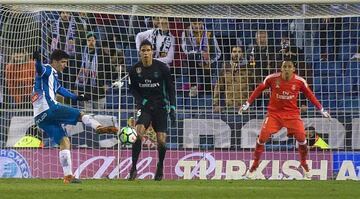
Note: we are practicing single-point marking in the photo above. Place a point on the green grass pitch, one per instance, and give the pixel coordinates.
(199, 189)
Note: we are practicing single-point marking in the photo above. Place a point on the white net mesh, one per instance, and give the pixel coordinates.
(210, 140)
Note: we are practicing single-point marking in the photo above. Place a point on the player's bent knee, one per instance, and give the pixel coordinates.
(81, 116)
(262, 139)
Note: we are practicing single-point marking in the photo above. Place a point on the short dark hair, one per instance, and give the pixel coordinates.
(90, 34)
(310, 128)
(145, 43)
(58, 55)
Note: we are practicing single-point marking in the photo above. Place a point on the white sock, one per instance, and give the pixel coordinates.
(90, 121)
(65, 161)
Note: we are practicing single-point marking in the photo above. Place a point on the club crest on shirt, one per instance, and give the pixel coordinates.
(138, 70)
(156, 74)
(293, 87)
(277, 83)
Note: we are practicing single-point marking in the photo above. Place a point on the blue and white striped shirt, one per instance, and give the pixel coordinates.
(45, 88)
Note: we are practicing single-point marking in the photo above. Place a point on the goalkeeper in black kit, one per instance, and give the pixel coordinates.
(151, 84)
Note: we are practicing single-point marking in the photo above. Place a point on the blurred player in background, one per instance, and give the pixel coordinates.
(314, 140)
(283, 112)
(151, 85)
(50, 115)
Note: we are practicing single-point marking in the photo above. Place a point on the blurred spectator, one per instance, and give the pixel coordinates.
(85, 23)
(63, 35)
(162, 40)
(94, 72)
(233, 82)
(19, 77)
(202, 50)
(261, 56)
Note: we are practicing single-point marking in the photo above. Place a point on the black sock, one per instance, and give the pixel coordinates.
(162, 152)
(136, 149)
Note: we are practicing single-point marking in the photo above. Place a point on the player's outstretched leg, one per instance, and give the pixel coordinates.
(136, 149)
(259, 149)
(106, 129)
(90, 121)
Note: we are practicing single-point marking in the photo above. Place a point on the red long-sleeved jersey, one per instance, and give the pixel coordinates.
(284, 94)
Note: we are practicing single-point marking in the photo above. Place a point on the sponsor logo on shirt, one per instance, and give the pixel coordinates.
(285, 96)
(148, 84)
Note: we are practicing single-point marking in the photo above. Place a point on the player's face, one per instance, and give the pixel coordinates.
(236, 54)
(197, 26)
(146, 53)
(287, 69)
(65, 16)
(163, 24)
(310, 133)
(60, 65)
(156, 22)
(91, 42)
(261, 38)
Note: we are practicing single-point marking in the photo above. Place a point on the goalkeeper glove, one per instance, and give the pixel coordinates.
(172, 115)
(325, 113)
(83, 97)
(244, 107)
(37, 55)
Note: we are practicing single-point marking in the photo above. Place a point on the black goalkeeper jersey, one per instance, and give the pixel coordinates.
(152, 83)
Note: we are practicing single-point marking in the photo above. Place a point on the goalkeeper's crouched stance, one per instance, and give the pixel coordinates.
(283, 112)
(50, 115)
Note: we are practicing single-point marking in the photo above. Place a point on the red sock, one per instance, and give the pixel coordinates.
(303, 151)
(259, 149)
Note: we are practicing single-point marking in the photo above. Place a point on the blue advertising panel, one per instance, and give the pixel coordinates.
(339, 157)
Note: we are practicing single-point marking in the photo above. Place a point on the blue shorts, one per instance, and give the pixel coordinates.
(51, 121)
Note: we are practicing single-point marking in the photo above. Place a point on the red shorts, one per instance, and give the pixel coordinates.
(273, 123)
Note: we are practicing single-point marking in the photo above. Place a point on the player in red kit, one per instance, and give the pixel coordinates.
(283, 112)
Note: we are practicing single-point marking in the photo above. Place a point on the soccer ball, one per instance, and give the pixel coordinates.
(127, 135)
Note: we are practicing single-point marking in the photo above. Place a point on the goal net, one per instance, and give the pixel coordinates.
(217, 55)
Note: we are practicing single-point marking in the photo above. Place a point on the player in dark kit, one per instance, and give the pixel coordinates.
(151, 85)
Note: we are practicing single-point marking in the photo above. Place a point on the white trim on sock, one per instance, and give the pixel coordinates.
(65, 161)
(302, 143)
(257, 141)
(90, 121)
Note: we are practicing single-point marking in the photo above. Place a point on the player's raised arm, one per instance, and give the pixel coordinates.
(40, 69)
(68, 94)
(310, 96)
(258, 90)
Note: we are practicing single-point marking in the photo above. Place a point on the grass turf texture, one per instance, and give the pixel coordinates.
(107, 189)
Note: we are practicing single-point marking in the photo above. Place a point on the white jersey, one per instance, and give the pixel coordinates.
(44, 91)
(163, 44)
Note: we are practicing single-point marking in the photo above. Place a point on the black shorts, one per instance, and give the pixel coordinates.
(157, 117)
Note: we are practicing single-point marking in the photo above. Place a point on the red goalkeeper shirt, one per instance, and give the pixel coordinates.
(284, 94)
